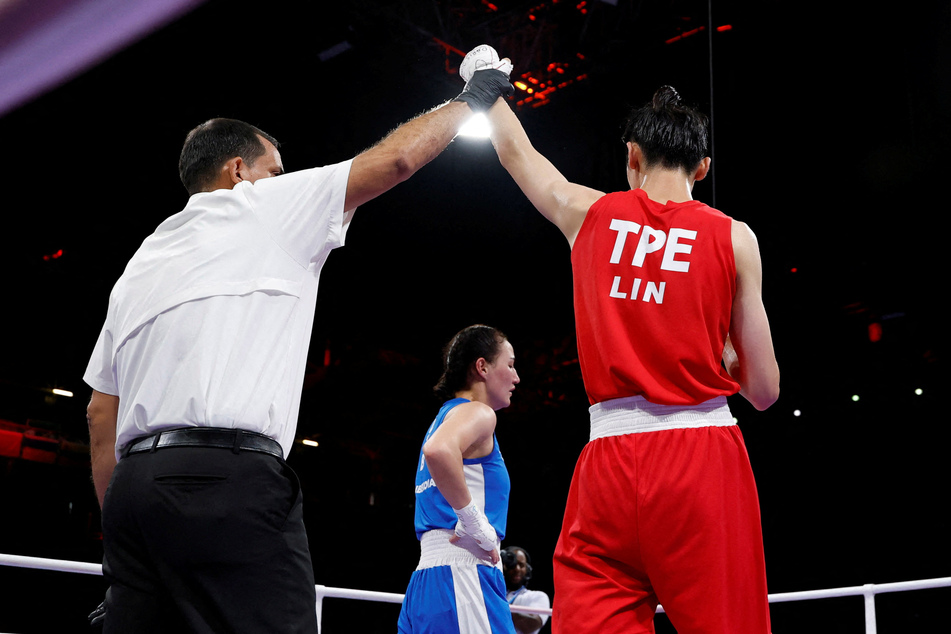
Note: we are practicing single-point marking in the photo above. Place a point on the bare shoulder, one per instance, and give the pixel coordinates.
(473, 413)
(471, 426)
(745, 245)
(742, 233)
(573, 201)
(578, 198)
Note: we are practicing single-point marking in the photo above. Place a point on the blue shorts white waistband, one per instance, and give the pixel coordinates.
(437, 550)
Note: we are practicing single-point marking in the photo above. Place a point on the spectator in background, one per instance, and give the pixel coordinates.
(517, 565)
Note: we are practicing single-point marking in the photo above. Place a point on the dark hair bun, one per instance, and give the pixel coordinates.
(666, 97)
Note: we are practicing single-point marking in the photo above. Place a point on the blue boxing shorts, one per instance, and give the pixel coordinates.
(453, 591)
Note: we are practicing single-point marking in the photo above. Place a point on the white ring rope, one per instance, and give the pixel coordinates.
(59, 565)
(868, 590)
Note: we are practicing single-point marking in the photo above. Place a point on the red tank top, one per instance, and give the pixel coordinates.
(653, 293)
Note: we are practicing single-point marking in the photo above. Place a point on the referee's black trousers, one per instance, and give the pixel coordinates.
(206, 540)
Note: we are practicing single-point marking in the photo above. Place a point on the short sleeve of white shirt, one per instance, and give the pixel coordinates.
(285, 205)
(99, 374)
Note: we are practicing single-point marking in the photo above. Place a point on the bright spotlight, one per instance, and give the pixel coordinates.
(919, 391)
(60, 392)
(477, 126)
(309, 442)
(855, 398)
(797, 413)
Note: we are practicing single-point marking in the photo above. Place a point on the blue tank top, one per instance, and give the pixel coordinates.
(486, 477)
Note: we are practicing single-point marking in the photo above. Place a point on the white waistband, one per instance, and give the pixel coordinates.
(635, 415)
(436, 550)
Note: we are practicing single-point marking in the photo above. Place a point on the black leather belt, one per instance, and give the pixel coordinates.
(235, 439)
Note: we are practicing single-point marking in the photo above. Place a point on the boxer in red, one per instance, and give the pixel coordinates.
(670, 321)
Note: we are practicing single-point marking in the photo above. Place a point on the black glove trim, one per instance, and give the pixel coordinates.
(484, 88)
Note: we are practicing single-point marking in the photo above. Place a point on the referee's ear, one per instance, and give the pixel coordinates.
(235, 168)
(229, 175)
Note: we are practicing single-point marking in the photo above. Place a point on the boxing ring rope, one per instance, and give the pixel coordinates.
(868, 591)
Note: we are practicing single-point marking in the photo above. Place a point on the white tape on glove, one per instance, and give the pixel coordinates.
(473, 522)
(483, 57)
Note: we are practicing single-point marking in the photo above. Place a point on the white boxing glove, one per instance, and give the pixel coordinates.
(473, 522)
(481, 58)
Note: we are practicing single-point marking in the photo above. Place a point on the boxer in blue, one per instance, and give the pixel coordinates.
(462, 491)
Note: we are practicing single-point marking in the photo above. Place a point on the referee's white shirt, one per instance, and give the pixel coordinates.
(210, 323)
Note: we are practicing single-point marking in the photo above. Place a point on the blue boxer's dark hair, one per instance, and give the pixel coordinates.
(465, 348)
(209, 145)
(670, 133)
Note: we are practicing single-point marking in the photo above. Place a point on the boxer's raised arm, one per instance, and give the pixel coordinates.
(418, 141)
(564, 203)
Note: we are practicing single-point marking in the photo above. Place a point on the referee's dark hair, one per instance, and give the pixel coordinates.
(211, 144)
(466, 347)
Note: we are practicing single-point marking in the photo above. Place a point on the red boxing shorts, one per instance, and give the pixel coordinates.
(662, 508)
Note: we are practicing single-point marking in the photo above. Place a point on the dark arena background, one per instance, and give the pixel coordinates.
(831, 129)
